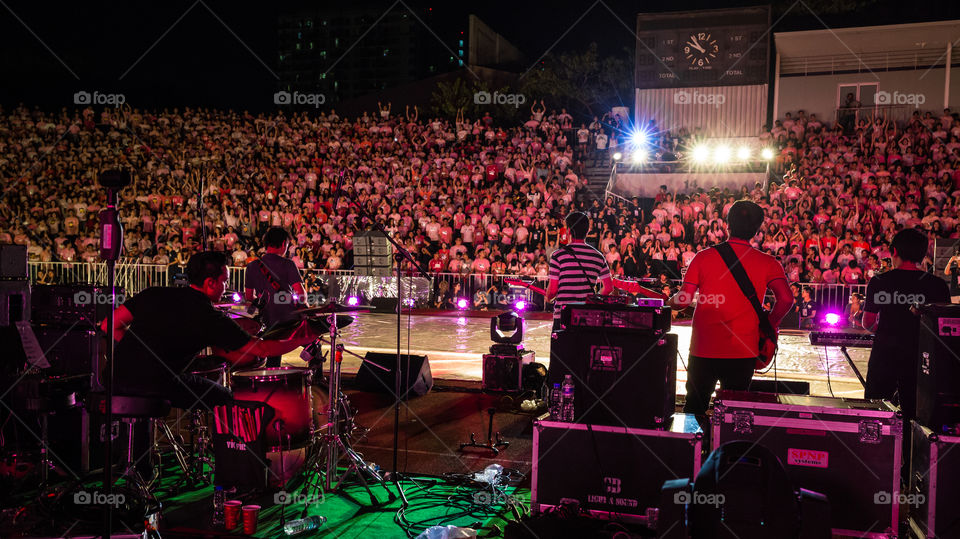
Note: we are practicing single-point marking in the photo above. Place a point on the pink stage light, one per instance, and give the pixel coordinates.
(462, 303)
(832, 318)
(353, 301)
(520, 305)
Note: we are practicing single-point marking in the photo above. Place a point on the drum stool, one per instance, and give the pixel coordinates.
(131, 409)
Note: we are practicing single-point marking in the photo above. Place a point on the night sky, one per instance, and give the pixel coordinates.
(217, 53)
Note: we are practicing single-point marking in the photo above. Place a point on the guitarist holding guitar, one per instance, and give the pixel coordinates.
(575, 268)
(732, 334)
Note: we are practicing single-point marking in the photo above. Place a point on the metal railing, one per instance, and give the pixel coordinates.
(136, 277)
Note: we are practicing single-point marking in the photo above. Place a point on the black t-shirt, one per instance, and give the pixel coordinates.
(170, 326)
(280, 303)
(954, 279)
(809, 308)
(891, 294)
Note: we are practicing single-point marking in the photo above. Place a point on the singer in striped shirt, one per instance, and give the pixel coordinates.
(575, 268)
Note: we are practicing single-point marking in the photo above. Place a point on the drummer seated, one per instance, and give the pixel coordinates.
(160, 330)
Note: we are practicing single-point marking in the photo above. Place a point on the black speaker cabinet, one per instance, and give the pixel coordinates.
(938, 378)
(71, 351)
(621, 379)
(418, 379)
(13, 261)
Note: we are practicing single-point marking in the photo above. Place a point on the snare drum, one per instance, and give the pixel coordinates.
(247, 323)
(287, 391)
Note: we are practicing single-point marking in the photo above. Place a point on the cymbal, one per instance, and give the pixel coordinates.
(332, 307)
(283, 330)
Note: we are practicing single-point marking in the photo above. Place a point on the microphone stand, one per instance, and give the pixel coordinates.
(111, 241)
(400, 254)
(203, 226)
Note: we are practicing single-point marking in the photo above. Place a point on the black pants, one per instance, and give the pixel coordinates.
(892, 376)
(187, 392)
(703, 373)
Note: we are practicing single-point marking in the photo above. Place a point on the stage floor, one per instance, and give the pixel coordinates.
(455, 345)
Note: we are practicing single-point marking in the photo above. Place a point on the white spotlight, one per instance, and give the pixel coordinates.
(721, 154)
(766, 154)
(701, 153)
(743, 153)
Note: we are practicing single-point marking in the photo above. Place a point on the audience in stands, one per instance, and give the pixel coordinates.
(467, 196)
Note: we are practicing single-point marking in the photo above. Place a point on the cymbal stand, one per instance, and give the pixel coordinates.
(337, 443)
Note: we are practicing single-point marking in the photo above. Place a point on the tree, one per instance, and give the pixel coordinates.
(582, 82)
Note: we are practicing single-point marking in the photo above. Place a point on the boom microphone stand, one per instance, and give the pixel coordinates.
(111, 242)
(400, 254)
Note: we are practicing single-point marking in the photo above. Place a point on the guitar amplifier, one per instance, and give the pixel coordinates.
(621, 379)
(83, 305)
(938, 377)
(633, 319)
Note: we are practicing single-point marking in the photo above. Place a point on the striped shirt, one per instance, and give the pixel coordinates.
(577, 268)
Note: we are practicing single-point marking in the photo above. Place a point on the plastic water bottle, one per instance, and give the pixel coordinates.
(567, 399)
(555, 408)
(296, 527)
(218, 500)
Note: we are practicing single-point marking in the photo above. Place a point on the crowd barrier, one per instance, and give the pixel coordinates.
(136, 277)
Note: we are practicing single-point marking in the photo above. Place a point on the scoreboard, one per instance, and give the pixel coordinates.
(724, 47)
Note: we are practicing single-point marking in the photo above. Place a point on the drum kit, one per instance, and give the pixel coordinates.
(289, 392)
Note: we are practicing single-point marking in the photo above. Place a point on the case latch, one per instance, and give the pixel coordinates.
(742, 422)
(870, 431)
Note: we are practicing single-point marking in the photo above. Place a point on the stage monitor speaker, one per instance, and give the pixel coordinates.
(418, 379)
(384, 305)
(620, 379)
(938, 377)
(13, 261)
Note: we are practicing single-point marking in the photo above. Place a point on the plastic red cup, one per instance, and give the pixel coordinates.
(231, 513)
(251, 513)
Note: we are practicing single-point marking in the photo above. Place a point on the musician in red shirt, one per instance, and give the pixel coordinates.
(725, 342)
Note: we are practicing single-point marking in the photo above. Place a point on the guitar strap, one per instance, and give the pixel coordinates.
(270, 278)
(743, 281)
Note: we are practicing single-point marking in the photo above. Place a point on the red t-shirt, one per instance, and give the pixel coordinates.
(724, 322)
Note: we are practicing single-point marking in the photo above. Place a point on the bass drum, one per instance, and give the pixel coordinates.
(288, 391)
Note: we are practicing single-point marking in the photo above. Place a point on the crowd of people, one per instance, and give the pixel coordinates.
(468, 196)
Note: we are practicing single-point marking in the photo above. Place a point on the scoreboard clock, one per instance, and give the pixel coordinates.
(725, 47)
